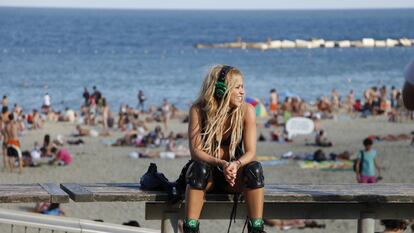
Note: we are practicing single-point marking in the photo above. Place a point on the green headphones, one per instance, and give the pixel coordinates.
(221, 86)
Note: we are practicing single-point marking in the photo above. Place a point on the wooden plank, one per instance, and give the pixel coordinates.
(77, 192)
(109, 192)
(359, 193)
(221, 210)
(23, 193)
(56, 193)
(346, 193)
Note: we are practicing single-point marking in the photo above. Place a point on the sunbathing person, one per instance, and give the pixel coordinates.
(390, 137)
(154, 138)
(394, 225)
(294, 223)
(53, 209)
(68, 116)
(179, 150)
(61, 156)
(321, 139)
(128, 139)
(172, 151)
(82, 132)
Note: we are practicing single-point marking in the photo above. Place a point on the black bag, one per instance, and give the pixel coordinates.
(360, 162)
(152, 180)
(155, 181)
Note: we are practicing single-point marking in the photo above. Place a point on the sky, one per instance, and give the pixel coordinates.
(213, 4)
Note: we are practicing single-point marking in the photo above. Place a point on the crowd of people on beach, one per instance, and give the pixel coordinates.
(13, 124)
(95, 119)
(376, 101)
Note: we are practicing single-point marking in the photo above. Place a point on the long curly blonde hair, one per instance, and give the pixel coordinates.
(215, 112)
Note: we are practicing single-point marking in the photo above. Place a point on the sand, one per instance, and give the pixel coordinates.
(95, 162)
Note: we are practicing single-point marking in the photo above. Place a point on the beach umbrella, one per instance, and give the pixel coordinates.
(252, 101)
(259, 106)
(261, 110)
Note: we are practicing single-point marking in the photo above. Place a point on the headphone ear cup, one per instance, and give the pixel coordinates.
(221, 89)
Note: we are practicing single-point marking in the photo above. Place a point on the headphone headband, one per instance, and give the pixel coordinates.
(223, 73)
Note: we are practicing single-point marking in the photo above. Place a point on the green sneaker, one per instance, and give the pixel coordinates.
(255, 226)
(191, 226)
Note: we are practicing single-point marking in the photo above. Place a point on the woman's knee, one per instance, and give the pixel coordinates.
(253, 175)
(198, 175)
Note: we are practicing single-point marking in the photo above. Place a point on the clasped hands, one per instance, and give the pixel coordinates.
(230, 171)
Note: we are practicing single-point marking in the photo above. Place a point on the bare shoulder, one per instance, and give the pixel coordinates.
(195, 113)
(249, 112)
(194, 110)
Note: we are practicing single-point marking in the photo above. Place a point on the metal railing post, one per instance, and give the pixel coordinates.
(169, 222)
(366, 223)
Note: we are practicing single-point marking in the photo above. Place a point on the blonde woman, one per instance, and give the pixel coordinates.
(222, 139)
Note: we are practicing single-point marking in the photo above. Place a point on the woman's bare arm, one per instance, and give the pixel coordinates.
(249, 135)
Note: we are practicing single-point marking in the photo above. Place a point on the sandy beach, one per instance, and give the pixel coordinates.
(96, 162)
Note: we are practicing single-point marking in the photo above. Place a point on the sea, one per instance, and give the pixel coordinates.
(61, 51)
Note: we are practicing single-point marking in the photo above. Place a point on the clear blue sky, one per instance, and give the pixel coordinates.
(214, 4)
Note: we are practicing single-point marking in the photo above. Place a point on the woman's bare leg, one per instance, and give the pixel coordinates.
(194, 201)
(254, 200)
(254, 197)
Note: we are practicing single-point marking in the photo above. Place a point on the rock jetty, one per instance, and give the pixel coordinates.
(313, 43)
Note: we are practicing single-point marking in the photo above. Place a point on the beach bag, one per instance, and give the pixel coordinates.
(354, 166)
(153, 180)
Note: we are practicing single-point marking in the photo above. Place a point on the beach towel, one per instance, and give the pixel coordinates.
(270, 160)
(108, 142)
(266, 157)
(269, 163)
(342, 165)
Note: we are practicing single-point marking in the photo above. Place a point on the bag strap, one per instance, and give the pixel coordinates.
(233, 213)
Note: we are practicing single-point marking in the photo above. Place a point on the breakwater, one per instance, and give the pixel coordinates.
(313, 43)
